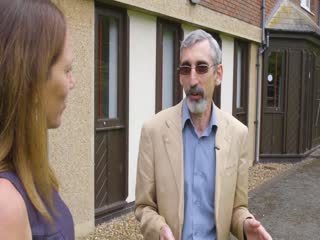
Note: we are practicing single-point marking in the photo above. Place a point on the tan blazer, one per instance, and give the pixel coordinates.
(160, 174)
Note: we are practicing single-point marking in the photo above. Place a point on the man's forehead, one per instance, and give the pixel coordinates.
(198, 52)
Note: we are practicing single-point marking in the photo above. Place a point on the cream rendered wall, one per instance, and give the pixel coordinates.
(253, 101)
(68, 150)
(71, 149)
(142, 84)
(253, 50)
(187, 29)
(198, 15)
(227, 80)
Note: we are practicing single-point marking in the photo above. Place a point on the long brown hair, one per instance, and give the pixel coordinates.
(31, 41)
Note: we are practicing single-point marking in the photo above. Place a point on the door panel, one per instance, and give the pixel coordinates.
(272, 132)
(294, 100)
(316, 105)
(266, 133)
(272, 128)
(110, 112)
(277, 132)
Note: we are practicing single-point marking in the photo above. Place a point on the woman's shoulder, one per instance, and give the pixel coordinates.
(13, 212)
(10, 199)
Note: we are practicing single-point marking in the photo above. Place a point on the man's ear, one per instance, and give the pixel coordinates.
(219, 74)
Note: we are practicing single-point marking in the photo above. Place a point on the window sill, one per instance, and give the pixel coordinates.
(306, 8)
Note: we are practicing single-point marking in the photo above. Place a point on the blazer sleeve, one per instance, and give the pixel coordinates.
(146, 209)
(240, 207)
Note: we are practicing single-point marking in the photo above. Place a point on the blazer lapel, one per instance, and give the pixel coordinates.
(172, 137)
(222, 142)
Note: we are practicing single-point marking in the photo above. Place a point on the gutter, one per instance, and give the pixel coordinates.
(261, 49)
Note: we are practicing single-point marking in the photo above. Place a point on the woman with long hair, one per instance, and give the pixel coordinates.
(35, 79)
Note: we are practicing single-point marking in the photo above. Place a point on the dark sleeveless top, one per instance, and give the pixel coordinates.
(63, 227)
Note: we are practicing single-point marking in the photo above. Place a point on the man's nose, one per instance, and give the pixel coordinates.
(194, 78)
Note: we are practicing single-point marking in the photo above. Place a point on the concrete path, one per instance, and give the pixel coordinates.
(289, 205)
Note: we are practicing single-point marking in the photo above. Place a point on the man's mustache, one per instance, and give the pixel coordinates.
(195, 91)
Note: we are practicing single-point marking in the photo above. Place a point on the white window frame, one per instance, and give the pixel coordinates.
(306, 4)
(167, 67)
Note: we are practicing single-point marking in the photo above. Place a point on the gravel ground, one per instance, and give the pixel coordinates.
(126, 227)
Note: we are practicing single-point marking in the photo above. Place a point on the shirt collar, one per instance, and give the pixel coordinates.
(186, 115)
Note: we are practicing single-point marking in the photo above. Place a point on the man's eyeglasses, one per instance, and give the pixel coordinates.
(200, 69)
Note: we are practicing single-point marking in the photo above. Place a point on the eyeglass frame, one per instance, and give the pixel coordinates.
(195, 68)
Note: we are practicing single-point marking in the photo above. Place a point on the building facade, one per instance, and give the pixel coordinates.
(126, 56)
(290, 99)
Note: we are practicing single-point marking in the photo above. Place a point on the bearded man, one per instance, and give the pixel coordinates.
(192, 175)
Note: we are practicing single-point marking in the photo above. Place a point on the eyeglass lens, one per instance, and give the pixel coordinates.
(200, 69)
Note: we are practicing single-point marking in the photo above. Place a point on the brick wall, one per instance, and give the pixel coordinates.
(271, 6)
(297, 2)
(249, 11)
(313, 8)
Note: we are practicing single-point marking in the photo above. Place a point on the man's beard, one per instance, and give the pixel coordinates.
(196, 106)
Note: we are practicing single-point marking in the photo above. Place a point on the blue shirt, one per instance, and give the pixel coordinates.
(199, 179)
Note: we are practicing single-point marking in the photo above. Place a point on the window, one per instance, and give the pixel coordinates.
(217, 90)
(108, 64)
(110, 110)
(110, 67)
(168, 89)
(275, 79)
(240, 81)
(305, 4)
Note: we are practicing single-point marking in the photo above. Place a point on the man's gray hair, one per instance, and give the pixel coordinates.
(199, 36)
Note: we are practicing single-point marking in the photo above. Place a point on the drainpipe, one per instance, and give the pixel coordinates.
(261, 49)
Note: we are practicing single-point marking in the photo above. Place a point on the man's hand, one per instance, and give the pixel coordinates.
(165, 233)
(254, 230)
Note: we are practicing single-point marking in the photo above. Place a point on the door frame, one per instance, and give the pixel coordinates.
(107, 10)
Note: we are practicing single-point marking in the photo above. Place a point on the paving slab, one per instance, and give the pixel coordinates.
(289, 205)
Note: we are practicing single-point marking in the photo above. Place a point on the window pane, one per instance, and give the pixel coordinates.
(274, 79)
(113, 61)
(239, 68)
(305, 3)
(108, 67)
(168, 67)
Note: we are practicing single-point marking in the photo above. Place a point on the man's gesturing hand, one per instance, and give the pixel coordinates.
(254, 230)
(165, 233)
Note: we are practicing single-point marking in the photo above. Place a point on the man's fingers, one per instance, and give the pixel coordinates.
(165, 233)
(166, 236)
(264, 233)
(254, 230)
(253, 223)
